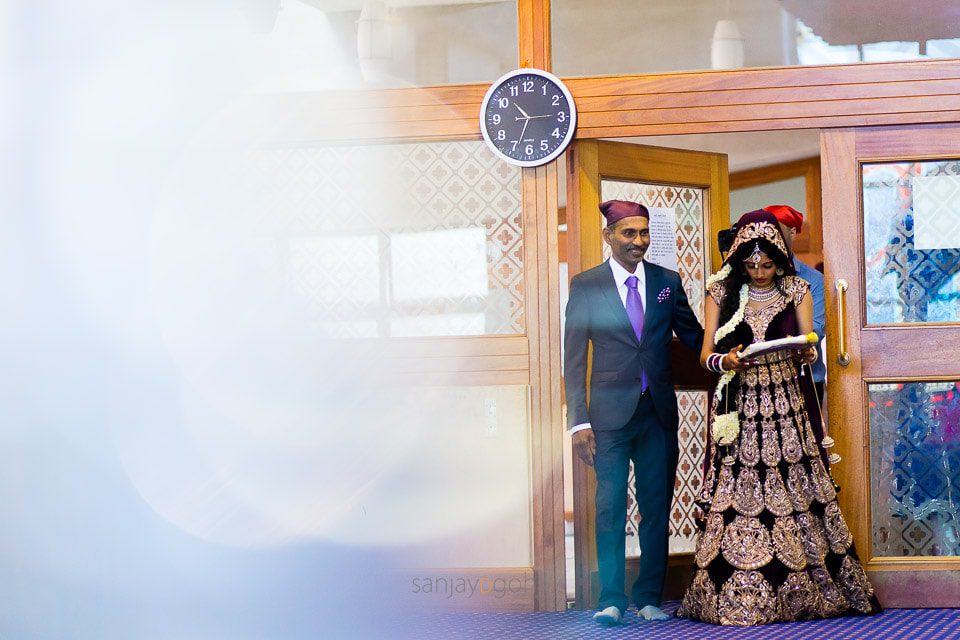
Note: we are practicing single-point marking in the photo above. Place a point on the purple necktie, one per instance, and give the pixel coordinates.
(635, 313)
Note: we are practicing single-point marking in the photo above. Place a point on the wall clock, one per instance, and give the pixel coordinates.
(528, 117)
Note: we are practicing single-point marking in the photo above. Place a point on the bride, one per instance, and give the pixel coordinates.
(775, 546)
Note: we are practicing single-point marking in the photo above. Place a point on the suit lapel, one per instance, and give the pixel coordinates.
(612, 295)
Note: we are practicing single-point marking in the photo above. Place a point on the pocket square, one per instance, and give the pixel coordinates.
(663, 295)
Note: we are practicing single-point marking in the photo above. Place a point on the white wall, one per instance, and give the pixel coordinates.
(792, 192)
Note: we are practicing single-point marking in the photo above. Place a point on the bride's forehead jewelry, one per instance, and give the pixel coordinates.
(756, 257)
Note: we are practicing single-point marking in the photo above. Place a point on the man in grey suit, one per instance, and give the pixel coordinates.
(628, 310)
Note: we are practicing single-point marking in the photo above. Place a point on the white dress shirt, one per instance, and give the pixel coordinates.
(620, 276)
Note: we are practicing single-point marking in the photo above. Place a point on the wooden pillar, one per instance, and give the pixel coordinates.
(540, 192)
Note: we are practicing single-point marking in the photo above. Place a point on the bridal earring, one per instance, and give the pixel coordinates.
(780, 272)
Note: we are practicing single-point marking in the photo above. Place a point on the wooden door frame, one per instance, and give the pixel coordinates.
(610, 107)
(898, 580)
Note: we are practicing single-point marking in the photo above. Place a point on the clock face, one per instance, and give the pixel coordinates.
(528, 117)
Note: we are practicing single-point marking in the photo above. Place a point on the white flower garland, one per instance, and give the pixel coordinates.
(726, 426)
(736, 318)
(719, 275)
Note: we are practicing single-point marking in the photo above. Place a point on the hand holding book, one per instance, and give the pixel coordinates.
(771, 346)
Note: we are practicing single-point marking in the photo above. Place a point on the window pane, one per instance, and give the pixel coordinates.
(911, 217)
(687, 35)
(314, 45)
(399, 240)
(915, 468)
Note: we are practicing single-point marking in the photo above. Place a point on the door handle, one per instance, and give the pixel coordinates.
(843, 356)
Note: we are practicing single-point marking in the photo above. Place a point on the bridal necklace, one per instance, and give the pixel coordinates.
(765, 294)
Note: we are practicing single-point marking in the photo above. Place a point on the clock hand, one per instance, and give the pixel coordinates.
(522, 131)
(521, 110)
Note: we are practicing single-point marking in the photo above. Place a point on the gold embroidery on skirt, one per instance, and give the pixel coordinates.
(776, 372)
(775, 495)
(822, 484)
(763, 375)
(709, 544)
(792, 451)
(750, 407)
(796, 398)
(750, 377)
(809, 441)
(723, 497)
(706, 492)
(798, 486)
(787, 544)
(780, 401)
(746, 543)
(746, 599)
(854, 584)
(700, 601)
(766, 402)
(770, 448)
(748, 496)
(838, 534)
(749, 444)
(798, 598)
(832, 602)
(813, 538)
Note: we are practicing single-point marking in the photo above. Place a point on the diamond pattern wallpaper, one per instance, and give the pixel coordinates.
(399, 240)
(915, 468)
(691, 262)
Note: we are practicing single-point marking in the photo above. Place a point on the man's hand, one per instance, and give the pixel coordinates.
(807, 356)
(585, 445)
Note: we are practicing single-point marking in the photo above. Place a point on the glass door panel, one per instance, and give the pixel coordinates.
(911, 235)
(915, 468)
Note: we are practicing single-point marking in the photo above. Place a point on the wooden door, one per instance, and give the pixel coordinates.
(891, 216)
(688, 195)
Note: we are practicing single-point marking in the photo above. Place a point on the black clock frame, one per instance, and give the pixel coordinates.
(528, 117)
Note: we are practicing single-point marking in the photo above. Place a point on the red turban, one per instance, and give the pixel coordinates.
(616, 210)
(786, 215)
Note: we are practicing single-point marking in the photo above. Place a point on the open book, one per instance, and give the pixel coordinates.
(770, 346)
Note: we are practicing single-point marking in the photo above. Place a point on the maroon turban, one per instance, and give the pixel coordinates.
(786, 215)
(616, 210)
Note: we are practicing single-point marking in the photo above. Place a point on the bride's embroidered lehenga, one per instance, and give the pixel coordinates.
(775, 546)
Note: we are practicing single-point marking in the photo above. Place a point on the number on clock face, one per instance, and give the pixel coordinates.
(528, 118)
